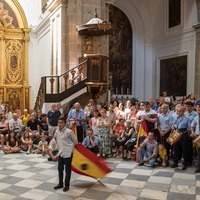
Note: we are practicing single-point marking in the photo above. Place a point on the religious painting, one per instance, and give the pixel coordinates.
(13, 96)
(174, 13)
(173, 76)
(120, 53)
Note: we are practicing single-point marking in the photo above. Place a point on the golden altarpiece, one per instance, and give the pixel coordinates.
(14, 37)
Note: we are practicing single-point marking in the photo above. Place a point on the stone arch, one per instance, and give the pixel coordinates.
(18, 14)
(137, 26)
(120, 52)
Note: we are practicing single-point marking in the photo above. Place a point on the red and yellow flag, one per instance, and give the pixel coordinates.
(143, 132)
(87, 163)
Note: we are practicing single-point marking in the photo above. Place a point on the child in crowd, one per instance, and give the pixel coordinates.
(27, 142)
(42, 145)
(25, 117)
(12, 145)
(53, 149)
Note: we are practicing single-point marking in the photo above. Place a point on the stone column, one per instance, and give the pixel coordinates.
(197, 54)
(197, 62)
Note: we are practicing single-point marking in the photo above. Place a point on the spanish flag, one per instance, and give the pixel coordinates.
(87, 163)
(142, 133)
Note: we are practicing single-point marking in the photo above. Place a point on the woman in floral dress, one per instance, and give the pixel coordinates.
(104, 134)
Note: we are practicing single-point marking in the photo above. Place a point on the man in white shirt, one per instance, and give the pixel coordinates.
(149, 115)
(66, 141)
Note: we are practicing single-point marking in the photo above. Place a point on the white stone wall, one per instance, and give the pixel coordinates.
(32, 9)
(177, 41)
(39, 60)
(39, 46)
(152, 41)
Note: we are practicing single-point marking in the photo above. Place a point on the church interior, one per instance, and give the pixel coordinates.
(64, 51)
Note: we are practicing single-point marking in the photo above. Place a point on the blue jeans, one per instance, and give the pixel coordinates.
(142, 153)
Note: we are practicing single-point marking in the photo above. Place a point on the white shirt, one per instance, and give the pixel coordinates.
(53, 145)
(167, 99)
(127, 112)
(66, 141)
(15, 124)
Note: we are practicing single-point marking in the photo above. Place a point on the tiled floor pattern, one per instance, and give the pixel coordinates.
(33, 177)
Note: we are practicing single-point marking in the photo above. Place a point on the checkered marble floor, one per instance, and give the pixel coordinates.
(33, 177)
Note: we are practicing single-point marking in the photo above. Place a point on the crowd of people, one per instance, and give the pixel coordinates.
(172, 130)
(163, 131)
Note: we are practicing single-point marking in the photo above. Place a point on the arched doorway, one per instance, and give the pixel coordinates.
(120, 52)
(14, 37)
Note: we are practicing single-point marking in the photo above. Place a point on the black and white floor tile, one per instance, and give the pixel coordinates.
(33, 177)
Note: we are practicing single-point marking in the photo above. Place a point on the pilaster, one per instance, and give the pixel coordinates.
(197, 61)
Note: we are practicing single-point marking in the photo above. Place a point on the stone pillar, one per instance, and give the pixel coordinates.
(67, 46)
(197, 54)
(73, 17)
(197, 62)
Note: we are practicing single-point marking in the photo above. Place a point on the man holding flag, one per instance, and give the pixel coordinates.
(66, 141)
(147, 120)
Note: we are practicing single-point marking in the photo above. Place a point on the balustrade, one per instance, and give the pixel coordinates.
(58, 84)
